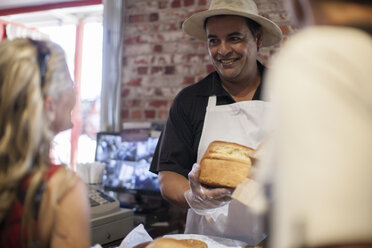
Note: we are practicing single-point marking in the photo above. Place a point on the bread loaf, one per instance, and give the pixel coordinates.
(225, 164)
(175, 243)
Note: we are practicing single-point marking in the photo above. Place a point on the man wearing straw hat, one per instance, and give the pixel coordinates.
(226, 105)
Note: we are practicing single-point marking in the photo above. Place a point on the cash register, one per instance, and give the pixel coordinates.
(109, 222)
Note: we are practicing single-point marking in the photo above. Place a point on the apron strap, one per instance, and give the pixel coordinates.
(212, 102)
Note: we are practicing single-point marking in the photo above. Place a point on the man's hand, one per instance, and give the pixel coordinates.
(202, 199)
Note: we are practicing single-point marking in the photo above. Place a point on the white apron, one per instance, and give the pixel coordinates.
(242, 123)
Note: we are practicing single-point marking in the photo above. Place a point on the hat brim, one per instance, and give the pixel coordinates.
(194, 25)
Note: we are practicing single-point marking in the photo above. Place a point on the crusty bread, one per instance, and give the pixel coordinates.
(174, 243)
(225, 164)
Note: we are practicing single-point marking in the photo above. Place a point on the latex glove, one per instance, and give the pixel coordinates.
(205, 200)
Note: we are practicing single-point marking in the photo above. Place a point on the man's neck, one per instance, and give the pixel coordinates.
(243, 90)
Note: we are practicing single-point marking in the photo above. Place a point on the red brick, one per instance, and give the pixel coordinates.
(125, 92)
(154, 17)
(135, 82)
(130, 103)
(137, 102)
(158, 48)
(136, 114)
(284, 16)
(285, 29)
(137, 18)
(196, 58)
(187, 3)
(160, 37)
(140, 61)
(124, 61)
(163, 4)
(158, 92)
(124, 114)
(126, 103)
(156, 70)
(210, 68)
(169, 70)
(161, 59)
(263, 58)
(176, 4)
(142, 70)
(202, 2)
(158, 103)
(128, 41)
(150, 114)
(189, 80)
(163, 114)
(173, 27)
(132, 40)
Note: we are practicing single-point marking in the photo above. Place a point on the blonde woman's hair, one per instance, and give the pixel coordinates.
(25, 131)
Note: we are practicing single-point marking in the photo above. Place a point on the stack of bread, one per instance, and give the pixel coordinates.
(225, 164)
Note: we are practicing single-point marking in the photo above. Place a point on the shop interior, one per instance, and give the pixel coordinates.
(123, 100)
(128, 60)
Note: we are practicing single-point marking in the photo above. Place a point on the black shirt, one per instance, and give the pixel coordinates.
(178, 144)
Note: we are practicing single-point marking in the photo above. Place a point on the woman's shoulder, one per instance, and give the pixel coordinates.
(62, 179)
(64, 211)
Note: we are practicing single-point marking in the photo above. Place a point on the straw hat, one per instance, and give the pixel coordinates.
(194, 25)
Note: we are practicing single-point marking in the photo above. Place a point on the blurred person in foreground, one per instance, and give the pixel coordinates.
(320, 85)
(226, 105)
(42, 204)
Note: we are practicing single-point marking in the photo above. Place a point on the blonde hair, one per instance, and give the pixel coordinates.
(25, 131)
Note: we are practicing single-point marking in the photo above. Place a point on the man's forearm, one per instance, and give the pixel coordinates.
(173, 187)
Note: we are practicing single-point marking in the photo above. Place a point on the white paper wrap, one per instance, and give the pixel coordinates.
(91, 173)
(137, 236)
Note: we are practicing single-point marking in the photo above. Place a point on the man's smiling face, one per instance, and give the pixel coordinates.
(231, 46)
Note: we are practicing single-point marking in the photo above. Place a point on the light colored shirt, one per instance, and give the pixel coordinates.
(320, 84)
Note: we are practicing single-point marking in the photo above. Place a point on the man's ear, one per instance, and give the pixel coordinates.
(50, 108)
(259, 38)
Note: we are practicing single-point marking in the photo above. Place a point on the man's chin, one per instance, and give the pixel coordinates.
(227, 76)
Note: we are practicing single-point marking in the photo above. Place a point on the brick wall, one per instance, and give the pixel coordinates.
(159, 59)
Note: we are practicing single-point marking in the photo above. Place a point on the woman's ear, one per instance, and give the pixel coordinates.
(50, 108)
